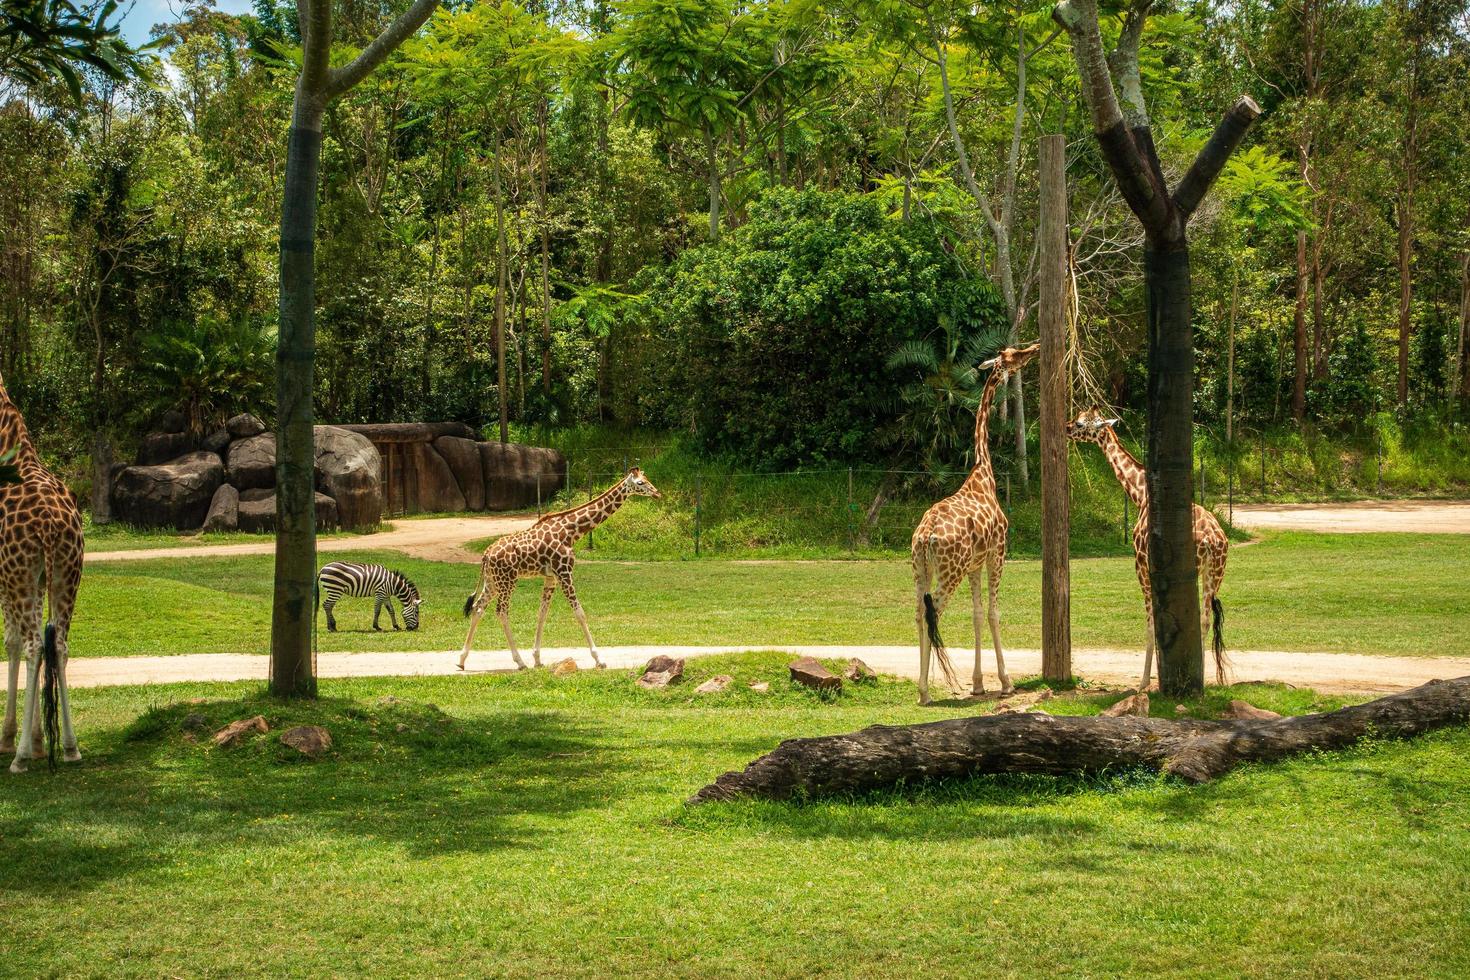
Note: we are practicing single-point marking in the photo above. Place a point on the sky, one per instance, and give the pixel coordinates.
(139, 16)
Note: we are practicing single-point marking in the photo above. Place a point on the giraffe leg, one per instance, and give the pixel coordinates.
(993, 581)
(977, 605)
(570, 591)
(31, 642)
(548, 589)
(502, 613)
(475, 616)
(1148, 645)
(70, 752)
(13, 651)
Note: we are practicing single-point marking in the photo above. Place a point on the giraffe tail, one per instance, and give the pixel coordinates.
(1218, 628)
(469, 604)
(50, 717)
(931, 623)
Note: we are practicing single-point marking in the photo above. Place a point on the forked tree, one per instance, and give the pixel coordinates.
(1125, 136)
(319, 83)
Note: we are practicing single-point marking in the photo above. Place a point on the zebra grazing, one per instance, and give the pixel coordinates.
(341, 578)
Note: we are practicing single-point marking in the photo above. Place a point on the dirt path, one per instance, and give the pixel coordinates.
(1332, 672)
(434, 538)
(1359, 516)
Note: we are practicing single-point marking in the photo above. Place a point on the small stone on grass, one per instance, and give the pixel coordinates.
(309, 740)
(714, 685)
(236, 731)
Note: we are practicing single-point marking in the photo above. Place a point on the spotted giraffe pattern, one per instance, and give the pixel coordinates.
(959, 537)
(545, 550)
(40, 560)
(1211, 545)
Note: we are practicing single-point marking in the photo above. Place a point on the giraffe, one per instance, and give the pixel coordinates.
(1211, 545)
(40, 559)
(545, 549)
(960, 536)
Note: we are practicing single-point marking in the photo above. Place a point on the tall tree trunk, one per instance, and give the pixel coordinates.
(1464, 346)
(712, 166)
(502, 283)
(1230, 361)
(1299, 342)
(542, 188)
(1406, 291)
(292, 670)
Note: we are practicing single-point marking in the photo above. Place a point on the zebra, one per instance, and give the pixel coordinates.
(340, 578)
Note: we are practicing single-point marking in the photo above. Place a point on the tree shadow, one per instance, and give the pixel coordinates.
(146, 797)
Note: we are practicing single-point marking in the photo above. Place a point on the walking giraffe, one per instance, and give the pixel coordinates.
(958, 537)
(1211, 545)
(545, 549)
(40, 558)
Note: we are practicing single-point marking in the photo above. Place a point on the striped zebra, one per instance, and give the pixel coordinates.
(341, 578)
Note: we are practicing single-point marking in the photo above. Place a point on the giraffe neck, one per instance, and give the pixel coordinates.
(13, 432)
(1128, 470)
(579, 520)
(982, 477)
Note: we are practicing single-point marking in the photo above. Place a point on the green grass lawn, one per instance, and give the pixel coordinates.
(1390, 594)
(529, 826)
(124, 537)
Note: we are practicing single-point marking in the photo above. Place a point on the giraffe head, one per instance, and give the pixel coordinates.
(637, 483)
(1090, 426)
(1011, 359)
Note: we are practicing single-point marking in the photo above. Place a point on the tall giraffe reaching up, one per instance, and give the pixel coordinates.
(545, 549)
(958, 537)
(1211, 545)
(40, 559)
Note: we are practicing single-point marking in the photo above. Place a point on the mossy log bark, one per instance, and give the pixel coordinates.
(883, 755)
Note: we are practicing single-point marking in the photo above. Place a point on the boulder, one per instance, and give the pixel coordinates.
(1245, 711)
(463, 457)
(809, 672)
(258, 511)
(244, 426)
(172, 421)
(714, 685)
(1133, 704)
(433, 488)
(857, 671)
(216, 442)
(564, 667)
(310, 740)
(176, 494)
(349, 470)
(237, 731)
(514, 474)
(252, 462)
(661, 671)
(160, 447)
(224, 510)
(411, 431)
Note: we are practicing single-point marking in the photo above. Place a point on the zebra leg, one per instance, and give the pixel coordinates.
(377, 611)
(327, 604)
(391, 617)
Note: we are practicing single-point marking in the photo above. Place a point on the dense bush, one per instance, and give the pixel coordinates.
(772, 346)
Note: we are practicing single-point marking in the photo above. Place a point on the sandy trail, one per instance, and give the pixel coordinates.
(1329, 672)
(1359, 516)
(433, 538)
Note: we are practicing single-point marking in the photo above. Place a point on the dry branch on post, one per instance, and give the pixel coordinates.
(884, 756)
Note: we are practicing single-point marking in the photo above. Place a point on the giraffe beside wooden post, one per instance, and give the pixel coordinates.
(40, 560)
(1211, 545)
(960, 536)
(545, 550)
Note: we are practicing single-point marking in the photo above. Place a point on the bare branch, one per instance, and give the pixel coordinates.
(342, 79)
(1211, 159)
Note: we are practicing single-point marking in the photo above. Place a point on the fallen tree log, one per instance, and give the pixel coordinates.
(885, 755)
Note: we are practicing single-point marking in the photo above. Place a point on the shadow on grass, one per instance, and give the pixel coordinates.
(147, 798)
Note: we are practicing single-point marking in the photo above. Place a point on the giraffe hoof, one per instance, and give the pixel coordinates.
(18, 766)
(72, 755)
(600, 666)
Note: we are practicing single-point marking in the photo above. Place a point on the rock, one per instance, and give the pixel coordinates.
(193, 723)
(236, 731)
(760, 687)
(216, 442)
(1134, 704)
(251, 462)
(513, 473)
(1245, 711)
(257, 511)
(310, 740)
(564, 667)
(463, 457)
(714, 685)
(244, 426)
(172, 421)
(1180, 709)
(661, 671)
(160, 447)
(176, 494)
(349, 470)
(857, 671)
(809, 672)
(1026, 701)
(410, 431)
(434, 489)
(224, 510)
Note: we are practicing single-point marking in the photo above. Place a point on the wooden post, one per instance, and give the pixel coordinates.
(1056, 585)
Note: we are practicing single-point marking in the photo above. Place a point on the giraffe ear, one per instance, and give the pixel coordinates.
(1111, 422)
